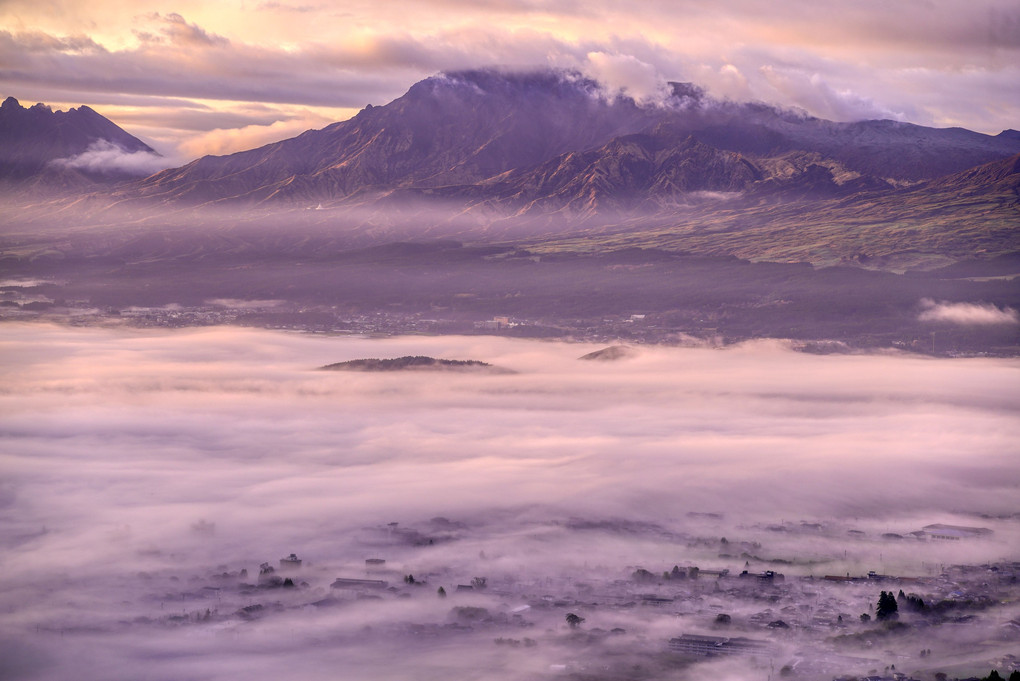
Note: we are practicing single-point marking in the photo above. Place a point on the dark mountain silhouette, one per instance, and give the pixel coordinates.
(66, 150)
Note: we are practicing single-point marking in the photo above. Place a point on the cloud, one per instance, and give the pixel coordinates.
(967, 314)
(628, 75)
(172, 28)
(229, 140)
(103, 156)
(813, 93)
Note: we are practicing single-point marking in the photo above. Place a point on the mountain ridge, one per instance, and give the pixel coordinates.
(554, 161)
(466, 129)
(43, 148)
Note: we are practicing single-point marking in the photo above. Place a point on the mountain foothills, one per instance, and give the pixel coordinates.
(542, 196)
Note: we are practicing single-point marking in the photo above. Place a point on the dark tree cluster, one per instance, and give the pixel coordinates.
(887, 608)
(912, 602)
(995, 676)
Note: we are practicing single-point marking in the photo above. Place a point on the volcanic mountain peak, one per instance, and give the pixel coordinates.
(68, 149)
(454, 128)
(480, 133)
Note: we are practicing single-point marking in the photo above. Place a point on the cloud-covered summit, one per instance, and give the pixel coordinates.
(954, 66)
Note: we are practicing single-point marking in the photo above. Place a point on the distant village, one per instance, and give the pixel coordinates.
(956, 621)
(695, 328)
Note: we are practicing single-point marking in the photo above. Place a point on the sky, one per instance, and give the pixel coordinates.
(192, 77)
(138, 463)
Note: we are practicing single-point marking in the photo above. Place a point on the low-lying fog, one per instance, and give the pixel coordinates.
(138, 464)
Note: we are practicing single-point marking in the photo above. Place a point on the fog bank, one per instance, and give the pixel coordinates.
(177, 453)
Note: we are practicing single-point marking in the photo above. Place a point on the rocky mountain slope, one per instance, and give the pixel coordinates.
(971, 214)
(451, 129)
(551, 140)
(551, 161)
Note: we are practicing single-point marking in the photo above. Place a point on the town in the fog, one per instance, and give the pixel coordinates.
(223, 501)
(754, 605)
(745, 607)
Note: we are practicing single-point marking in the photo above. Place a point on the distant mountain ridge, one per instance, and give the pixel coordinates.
(41, 146)
(456, 129)
(558, 139)
(554, 162)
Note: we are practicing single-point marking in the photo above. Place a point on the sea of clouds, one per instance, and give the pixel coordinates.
(134, 456)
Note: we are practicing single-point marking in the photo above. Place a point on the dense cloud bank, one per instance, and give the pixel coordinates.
(105, 157)
(188, 452)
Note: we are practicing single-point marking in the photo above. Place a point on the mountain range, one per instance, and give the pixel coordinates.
(548, 140)
(554, 161)
(538, 199)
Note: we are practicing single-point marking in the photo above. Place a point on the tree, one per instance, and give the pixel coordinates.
(886, 606)
(441, 592)
(574, 620)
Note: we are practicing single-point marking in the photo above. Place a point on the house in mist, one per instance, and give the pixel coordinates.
(724, 572)
(496, 323)
(291, 562)
(766, 576)
(350, 584)
(710, 646)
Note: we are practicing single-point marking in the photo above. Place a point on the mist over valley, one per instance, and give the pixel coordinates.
(147, 468)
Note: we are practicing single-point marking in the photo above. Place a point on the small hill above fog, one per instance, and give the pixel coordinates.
(610, 354)
(410, 363)
(551, 139)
